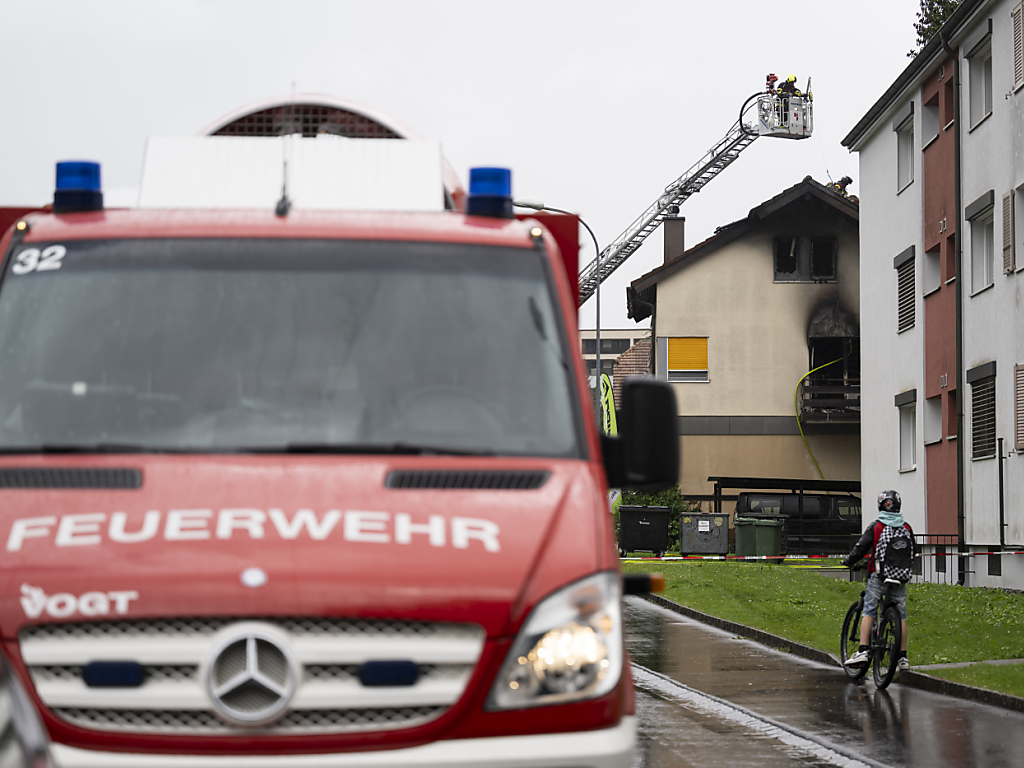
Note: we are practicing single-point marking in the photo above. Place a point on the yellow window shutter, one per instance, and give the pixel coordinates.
(688, 354)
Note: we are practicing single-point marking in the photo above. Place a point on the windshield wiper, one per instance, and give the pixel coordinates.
(408, 449)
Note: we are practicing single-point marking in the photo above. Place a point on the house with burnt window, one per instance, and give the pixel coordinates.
(758, 330)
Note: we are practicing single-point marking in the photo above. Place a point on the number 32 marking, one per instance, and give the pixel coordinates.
(32, 260)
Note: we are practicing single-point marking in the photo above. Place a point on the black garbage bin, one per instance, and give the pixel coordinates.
(643, 529)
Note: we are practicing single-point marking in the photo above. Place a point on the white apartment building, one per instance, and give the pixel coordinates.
(942, 220)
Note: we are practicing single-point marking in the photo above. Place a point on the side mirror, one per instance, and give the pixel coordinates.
(645, 455)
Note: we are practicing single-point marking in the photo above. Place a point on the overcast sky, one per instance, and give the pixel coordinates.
(596, 106)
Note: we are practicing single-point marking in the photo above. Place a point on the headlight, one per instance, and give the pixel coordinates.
(570, 648)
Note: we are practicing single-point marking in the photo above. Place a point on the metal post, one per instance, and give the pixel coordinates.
(597, 332)
(597, 249)
(800, 502)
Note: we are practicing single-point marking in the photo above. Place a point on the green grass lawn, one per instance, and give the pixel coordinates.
(946, 623)
(1008, 678)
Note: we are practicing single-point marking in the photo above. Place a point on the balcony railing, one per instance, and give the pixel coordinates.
(826, 401)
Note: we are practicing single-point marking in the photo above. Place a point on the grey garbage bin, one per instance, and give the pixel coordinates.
(643, 529)
(704, 534)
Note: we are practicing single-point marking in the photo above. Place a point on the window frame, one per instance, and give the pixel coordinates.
(982, 379)
(905, 265)
(684, 375)
(1018, 407)
(803, 253)
(983, 229)
(905, 159)
(979, 75)
(1009, 232)
(908, 436)
(1017, 32)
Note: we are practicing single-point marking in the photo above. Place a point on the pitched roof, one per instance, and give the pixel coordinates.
(635, 361)
(927, 57)
(729, 232)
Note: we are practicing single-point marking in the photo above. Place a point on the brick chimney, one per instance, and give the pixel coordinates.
(672, 228)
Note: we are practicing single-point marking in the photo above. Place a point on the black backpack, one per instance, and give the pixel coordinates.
(894, 555)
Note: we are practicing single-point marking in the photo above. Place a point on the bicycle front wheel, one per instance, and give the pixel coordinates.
(887, 651)
(849, 641)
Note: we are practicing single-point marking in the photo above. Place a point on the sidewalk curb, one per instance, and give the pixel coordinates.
(766, 638)
(961, 691)
(909, 678)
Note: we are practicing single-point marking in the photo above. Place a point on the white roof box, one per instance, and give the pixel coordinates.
(324, 173)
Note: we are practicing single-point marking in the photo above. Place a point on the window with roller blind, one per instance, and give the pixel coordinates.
(688, 359)
(1017, 17)
(982, 379)
(1018, 407)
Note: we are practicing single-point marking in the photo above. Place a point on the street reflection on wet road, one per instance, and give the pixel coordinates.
(899, 727)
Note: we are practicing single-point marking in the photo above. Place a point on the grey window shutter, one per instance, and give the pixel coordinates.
(1008, 236)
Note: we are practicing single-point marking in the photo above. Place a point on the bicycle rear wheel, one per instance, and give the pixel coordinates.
(849, 641)
(886, 653)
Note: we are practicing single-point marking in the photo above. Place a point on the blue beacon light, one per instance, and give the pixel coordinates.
(490, 193)
(78, 187)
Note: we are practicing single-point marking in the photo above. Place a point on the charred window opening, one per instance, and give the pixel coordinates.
(840, 358)
(831, 393)
(823, 259)
(805, 260)
(785, 257)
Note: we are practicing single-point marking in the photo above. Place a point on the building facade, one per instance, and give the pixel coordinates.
(614, 342)
(941, 182)
(757, 330)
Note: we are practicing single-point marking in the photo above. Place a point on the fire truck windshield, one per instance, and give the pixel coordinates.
(222, 345)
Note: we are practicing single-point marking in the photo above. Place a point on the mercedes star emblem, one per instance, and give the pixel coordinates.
(251, 675)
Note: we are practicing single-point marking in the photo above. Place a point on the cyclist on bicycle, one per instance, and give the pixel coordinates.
(874, 543)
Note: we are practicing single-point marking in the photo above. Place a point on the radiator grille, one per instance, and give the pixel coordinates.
(203, 723)
(505, 480)
(70, 477)
(328, 696)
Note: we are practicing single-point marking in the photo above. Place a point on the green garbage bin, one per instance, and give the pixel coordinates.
(767, 537)
(746, 541)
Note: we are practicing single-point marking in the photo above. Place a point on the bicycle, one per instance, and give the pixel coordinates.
(883, 644)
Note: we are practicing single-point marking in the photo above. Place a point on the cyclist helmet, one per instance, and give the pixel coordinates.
(889, 501)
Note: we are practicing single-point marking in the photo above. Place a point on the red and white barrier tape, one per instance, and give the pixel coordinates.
(806, 557)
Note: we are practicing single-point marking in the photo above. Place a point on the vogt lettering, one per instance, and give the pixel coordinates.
(35, 602)
(357, 526)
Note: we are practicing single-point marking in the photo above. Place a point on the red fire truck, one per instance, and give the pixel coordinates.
(308, 488)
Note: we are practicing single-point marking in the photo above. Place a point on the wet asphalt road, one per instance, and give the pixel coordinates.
(815, 705)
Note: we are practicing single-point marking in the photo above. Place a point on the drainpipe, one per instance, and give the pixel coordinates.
(1002, 517)
(961, 547)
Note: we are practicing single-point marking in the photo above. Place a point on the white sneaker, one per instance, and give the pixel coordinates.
(903, 663)
(860, 657)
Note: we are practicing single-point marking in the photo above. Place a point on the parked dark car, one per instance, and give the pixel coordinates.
(830, 523)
